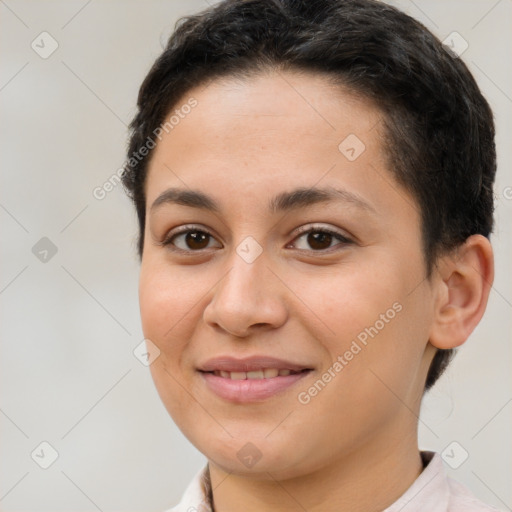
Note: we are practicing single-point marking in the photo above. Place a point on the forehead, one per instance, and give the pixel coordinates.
(283, 108)
(269, 133)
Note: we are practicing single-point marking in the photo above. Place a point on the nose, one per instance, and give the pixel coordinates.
(247, 299)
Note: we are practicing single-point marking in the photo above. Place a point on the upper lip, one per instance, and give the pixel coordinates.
(247, 364)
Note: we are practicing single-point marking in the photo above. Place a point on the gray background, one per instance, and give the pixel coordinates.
(70, 323)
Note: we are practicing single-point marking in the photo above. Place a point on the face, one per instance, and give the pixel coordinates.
(283, 279)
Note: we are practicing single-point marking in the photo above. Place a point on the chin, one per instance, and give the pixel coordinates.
(257, 457)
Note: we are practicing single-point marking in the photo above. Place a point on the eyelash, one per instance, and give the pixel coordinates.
(168, 241)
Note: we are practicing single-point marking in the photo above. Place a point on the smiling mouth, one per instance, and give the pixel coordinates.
(251, 379)
(255, 385)
(266, 373)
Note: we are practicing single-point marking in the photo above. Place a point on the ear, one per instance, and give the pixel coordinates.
(464, 282)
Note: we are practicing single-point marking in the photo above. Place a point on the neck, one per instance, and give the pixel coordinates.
(369, 479)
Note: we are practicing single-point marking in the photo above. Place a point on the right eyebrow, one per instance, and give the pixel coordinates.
(192, 198)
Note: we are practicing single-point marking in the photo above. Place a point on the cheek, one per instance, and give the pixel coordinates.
(376, 319)
(168, 318)
(167, 305)
(348, 299)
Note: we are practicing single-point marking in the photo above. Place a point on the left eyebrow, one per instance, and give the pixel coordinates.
(285, 201)
(302, 197)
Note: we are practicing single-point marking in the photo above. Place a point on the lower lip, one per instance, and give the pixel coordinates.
(250, 390)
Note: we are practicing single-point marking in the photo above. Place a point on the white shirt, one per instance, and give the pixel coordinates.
(432, 491)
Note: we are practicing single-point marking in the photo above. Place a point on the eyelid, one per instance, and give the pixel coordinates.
(182, 230)
(319, 227)
(187, 227)
(343, 238)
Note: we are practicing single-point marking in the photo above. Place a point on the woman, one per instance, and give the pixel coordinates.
(313, 182)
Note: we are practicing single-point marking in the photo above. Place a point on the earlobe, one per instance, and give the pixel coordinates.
(463, 287)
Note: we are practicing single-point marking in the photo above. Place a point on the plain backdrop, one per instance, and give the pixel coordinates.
(68, 280)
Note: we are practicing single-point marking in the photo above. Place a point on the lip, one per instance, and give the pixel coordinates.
(247, 364)
(250, 390)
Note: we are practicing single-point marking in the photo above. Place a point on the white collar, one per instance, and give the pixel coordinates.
(433, 490)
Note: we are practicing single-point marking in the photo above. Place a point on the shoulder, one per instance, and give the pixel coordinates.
(458, 497)
(435, 491)
(463, 500)
(196, 495)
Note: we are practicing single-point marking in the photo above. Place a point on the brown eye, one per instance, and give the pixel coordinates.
(197, 239)
(318, 240)
(190, 240)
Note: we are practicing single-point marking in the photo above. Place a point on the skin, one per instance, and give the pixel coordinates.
(245, 142)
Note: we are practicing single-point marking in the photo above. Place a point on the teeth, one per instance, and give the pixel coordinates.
(266, 373)
(269, 373)
(258, 374)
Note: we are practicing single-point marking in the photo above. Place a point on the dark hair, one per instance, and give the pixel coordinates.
(439, 129)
